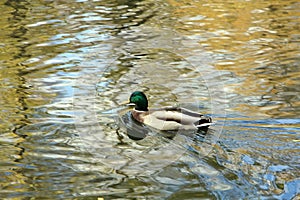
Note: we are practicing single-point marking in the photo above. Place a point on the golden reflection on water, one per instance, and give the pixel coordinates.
(257, 41)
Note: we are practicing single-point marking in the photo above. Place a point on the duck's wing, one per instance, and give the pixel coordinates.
(160, 121)
(175, 116)
(189, 112)
(196, 118)
(179, 110)
(179, 117)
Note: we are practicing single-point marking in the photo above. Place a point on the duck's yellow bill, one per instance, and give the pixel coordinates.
(126, 103)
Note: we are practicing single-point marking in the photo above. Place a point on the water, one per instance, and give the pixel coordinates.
(66, 67)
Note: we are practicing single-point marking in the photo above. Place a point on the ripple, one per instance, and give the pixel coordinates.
(67, 66)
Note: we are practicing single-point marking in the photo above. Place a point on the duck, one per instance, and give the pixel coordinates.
(166, 118)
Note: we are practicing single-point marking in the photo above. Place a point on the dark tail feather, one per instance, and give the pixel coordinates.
(203, 123)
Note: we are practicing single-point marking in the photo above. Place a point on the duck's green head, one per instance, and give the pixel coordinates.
(140, 100)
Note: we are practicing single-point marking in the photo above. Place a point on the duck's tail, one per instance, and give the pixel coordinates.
(204, 122)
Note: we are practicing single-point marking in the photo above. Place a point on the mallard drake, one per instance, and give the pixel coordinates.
(166, 118)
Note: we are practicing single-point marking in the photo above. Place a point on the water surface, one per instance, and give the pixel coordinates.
(67, 66)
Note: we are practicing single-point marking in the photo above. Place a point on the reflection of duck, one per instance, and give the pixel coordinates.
(167, 118)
